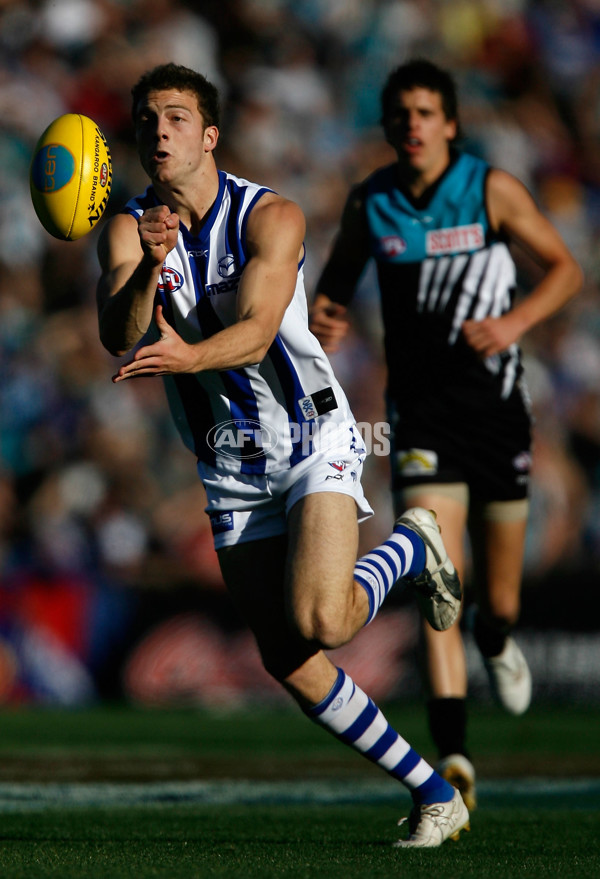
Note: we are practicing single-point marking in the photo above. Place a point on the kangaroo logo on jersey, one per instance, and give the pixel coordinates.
(456, 239)
(226, 266)
(170, 280)
(242, 438)
(228, 270)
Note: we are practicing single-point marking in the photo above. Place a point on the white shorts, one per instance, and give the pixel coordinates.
(244, 508)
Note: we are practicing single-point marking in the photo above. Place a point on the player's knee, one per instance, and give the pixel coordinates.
(323, 625)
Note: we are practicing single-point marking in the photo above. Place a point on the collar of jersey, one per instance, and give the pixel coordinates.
(209, 217)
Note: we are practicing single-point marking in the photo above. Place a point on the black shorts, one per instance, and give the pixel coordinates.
(485, 443)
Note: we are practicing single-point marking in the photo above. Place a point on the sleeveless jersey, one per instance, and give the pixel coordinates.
(440, 263)
(255, 419)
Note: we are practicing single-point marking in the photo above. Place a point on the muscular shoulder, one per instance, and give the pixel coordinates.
(275, 219)
(275, 215)
(272, 207)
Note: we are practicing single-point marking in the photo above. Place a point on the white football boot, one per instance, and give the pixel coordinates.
(437, 589)
(429, 826)
(460, 773)
(510, 678)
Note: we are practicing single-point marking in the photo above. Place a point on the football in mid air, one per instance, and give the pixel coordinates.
(70, 176)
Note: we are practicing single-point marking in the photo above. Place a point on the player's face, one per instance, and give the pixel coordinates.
(172, 140)
(417, 128)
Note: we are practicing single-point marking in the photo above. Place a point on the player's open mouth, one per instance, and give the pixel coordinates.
(412, 146)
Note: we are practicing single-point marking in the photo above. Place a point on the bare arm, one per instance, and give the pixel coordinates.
(131, 256)
(339, 277)
(513, 211)
(275, 233)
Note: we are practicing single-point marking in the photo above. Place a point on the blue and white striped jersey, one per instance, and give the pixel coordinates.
(256, 419)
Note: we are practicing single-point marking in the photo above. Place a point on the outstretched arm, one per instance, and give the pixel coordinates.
(513, 211)
(275, 234)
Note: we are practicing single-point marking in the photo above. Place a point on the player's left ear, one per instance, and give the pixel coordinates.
(211, 136)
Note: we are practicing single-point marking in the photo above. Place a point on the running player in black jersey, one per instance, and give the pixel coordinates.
(438, 224)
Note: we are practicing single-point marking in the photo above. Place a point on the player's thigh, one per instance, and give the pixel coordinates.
(254, 573)
(450, 503)
(323, 546)
(498, 539)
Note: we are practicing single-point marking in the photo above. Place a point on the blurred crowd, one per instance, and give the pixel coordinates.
(96, 491)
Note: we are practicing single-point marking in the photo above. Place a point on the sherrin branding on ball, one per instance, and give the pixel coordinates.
(70, 176)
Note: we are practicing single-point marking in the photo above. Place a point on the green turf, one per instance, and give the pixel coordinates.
(561, 740)
(528, 833)
(333, 841)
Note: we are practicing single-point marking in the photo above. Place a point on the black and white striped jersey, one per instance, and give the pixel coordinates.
(439, 263)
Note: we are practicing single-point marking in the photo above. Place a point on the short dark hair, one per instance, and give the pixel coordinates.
(420, 73)
(175, 76)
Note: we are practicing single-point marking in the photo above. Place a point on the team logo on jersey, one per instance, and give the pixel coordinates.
(242, 438)
(416, 462)
(226, 266)
(170, 280)
(456, 239)
(392, 245)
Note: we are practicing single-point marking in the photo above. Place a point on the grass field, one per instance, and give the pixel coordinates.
(116, 792)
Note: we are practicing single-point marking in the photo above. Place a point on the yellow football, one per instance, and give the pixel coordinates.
(70, 176)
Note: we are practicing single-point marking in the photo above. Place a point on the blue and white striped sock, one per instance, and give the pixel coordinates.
(350, 715)
(402, 554)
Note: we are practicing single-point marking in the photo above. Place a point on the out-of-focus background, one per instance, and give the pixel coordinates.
(109, 585)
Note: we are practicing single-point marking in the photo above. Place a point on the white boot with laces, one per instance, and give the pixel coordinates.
(430, 825)
(437, 589)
